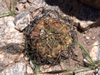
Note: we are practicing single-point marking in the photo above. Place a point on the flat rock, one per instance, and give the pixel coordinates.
(93, 3)
(84, 25)
(11, 44)
(15, 69)
(22, 20)
(95, 51)
(8, 34)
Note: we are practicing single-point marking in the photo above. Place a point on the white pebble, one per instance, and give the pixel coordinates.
(93, 38)
(87, 37)
(26, 58)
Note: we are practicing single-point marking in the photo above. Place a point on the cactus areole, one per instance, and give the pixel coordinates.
(50, 37)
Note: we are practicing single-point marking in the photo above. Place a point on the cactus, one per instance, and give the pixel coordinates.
(49, 37)
(52, 36)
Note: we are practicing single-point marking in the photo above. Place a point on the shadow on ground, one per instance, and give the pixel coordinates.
(76, 8)
(12, 48)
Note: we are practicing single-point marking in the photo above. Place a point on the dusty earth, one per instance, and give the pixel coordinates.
(78, 12)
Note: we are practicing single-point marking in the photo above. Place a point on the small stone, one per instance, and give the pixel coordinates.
(45, 68)
(31, 1)
(87, 37)
(29, 70)
(22, 20)
(84, 25)
(87, 42)
(89, 22)
(86, 62)
(96, 70)
(27, 5)
(32, 65)
(95, 51)
(85, 32)
(20, 7)
(93, 38)
(22, 1)
(26, 58)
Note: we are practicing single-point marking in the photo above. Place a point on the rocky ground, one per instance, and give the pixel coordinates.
(13, 58)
